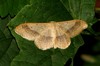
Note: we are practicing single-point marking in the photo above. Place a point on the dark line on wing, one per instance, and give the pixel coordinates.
(47, 38)
(28, 30)
(77, 24)
(60, 37)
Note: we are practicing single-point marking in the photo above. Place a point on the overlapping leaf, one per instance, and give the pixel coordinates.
(8, 46)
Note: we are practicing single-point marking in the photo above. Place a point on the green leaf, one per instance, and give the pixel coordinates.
(8, 46)
(45, 11)
(80, 9)
(16, 6)
(11, 7)
(3, 8)
(8, 50)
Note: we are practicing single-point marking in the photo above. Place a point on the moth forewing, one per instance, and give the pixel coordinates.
(73, 27)
(79, 26)
(24, 31)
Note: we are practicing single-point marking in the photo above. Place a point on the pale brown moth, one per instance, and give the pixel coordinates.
(52, 34)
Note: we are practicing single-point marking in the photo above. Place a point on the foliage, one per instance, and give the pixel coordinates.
(17, 51)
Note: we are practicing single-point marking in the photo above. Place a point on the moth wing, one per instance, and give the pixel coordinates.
(45, 40)
(30, 31)
(72, 27)
(62, 40)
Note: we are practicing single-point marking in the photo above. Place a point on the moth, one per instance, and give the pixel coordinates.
(52, 34)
